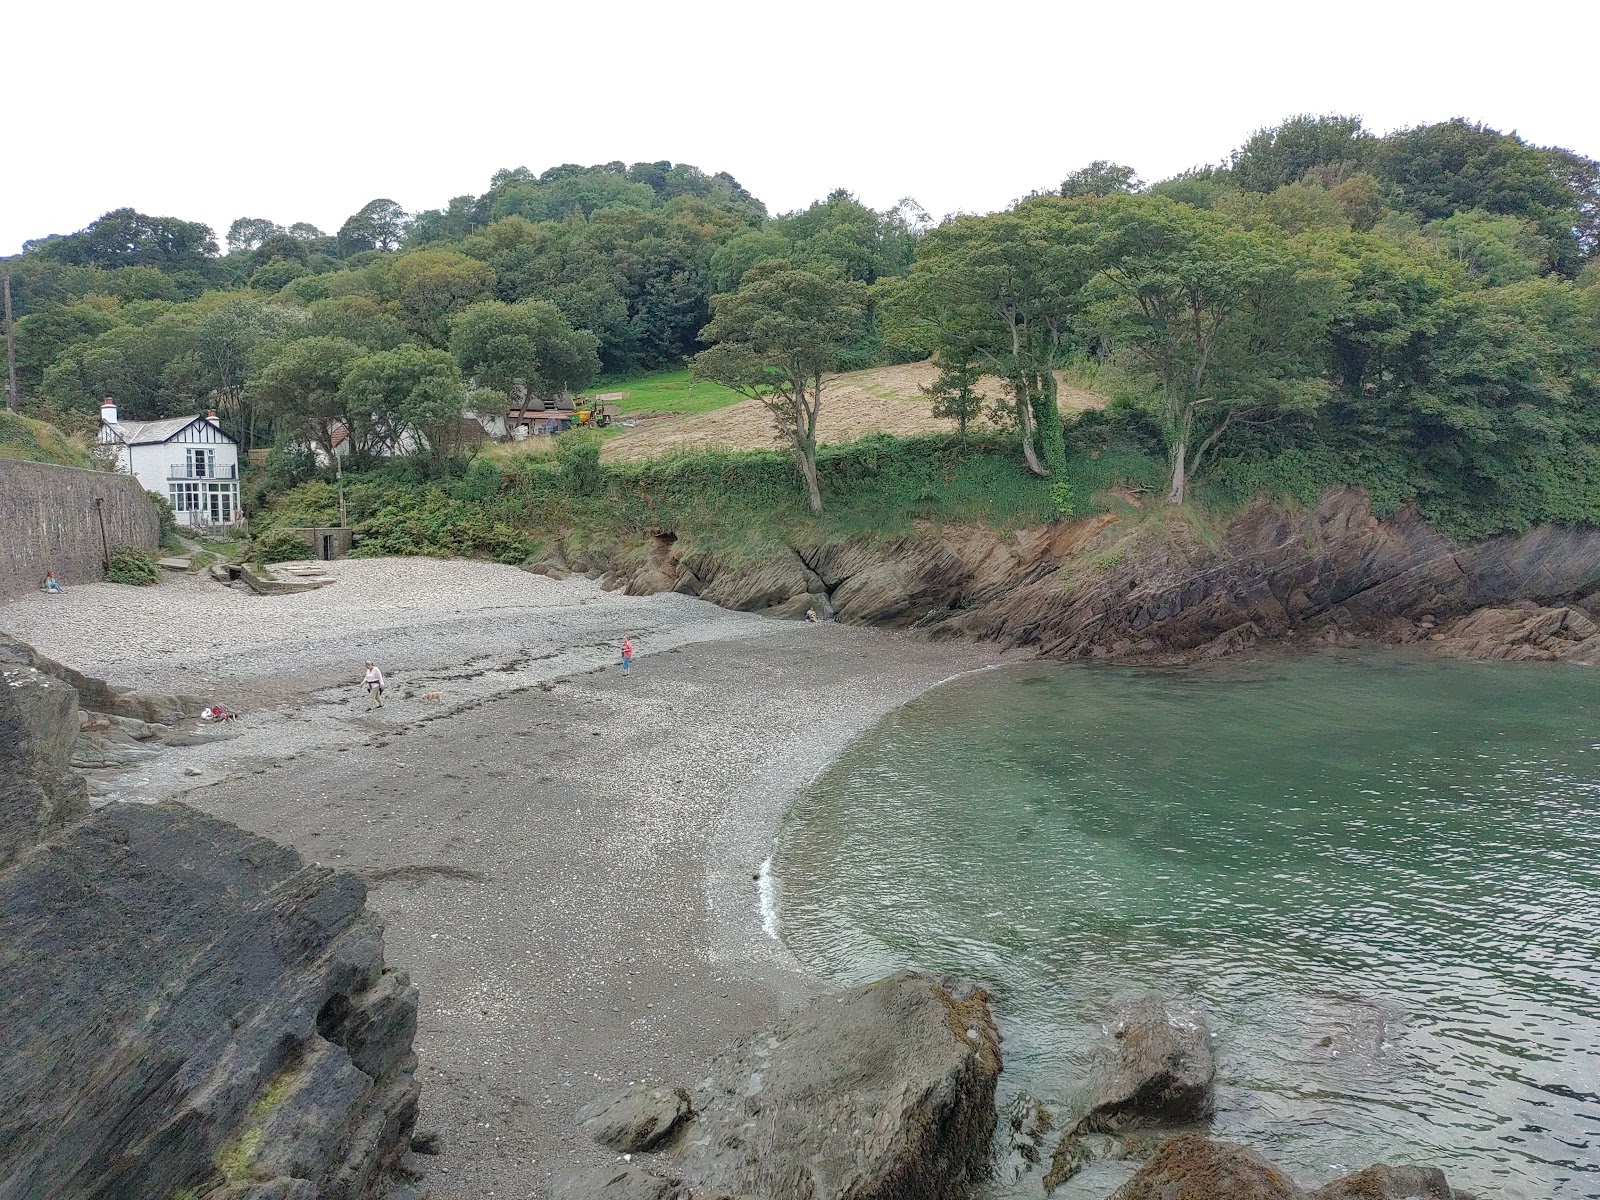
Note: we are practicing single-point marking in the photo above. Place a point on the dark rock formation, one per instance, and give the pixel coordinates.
(1157, 1069)
(885, 1092)
(183, 1005)
(617, 1183)
(639, 1118)
(38, 727)
(1384, 1182)
(1101, 588)
(1191, 1167)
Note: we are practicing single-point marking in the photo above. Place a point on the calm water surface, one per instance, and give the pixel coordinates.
(1378, 876)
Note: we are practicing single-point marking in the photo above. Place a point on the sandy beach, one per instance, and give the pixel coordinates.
(565, 856)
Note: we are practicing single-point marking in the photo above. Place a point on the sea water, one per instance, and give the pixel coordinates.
(1378, 876)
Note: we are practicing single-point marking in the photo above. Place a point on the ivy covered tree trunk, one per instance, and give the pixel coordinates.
(1047, 421)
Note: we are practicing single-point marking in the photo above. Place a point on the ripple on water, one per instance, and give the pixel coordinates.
(1379, 876)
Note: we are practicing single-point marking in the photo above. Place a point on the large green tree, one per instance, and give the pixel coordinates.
(527, 346)
(774, 339)
(407, 396)
(1227, 322)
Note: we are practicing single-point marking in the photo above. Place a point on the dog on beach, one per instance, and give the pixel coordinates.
(434, 696)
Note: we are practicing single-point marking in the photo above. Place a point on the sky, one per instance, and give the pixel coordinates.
(300, 111)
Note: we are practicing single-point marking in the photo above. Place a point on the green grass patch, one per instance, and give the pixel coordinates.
(668, 392)
(36, 441)
(236, 1158)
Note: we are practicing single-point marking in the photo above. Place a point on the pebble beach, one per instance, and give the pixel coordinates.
(566, 858)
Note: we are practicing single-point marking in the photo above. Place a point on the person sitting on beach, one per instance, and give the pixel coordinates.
(374, 682)
(811, 615)
(51, 584)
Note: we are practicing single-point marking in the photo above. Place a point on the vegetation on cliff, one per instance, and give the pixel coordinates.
(1417, 312)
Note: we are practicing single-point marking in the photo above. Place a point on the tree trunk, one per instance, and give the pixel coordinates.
(1025, 421)
(1179, 489)
(808, 468)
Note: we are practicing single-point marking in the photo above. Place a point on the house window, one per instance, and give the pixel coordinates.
(202, 463)
(185, 497)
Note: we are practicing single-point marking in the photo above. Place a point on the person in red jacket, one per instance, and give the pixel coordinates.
(627, 652)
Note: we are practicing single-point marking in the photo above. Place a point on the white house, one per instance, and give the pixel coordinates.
(189, 460)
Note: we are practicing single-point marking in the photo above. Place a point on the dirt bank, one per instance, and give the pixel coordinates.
(563, 855)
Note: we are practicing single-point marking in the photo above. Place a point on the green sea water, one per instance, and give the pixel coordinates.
(1378, 876)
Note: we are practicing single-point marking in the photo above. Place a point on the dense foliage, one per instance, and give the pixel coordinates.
(1419, 312)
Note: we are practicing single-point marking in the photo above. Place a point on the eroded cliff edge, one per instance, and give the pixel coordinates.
(184, 1006)
(1136, 586)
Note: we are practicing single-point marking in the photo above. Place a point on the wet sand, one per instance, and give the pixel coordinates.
(565, 856)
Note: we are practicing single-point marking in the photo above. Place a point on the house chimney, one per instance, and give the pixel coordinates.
(108, 411)
(212, 417)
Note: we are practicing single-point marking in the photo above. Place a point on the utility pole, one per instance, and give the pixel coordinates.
(11, 353)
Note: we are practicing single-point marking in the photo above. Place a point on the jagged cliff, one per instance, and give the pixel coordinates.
(1138, 587)
(184, 1006)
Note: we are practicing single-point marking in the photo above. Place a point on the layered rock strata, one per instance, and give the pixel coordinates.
(183, 1006)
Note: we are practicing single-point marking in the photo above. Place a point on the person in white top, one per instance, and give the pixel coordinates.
(374, 682)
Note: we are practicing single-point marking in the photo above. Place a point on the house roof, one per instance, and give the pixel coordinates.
(143, 433)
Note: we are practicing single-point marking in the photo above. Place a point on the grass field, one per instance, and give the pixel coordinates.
(674, 392)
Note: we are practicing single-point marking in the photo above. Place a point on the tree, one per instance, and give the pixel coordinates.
(246, 233)
(301, 387)
(527, 346)
(378, 225)
(1101, 178)
(1282, 154)
(1001, 293)
(127, 238)
(955, 396)
(430, 286)
(773, 339)
(409, 390)
(1228, 322)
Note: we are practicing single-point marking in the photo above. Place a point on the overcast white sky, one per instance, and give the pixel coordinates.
(300, 111)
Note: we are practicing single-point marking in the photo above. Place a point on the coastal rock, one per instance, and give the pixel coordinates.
(1523, 632)
(183, 1005)
(1191, 1167)
(637, 1119)
(885, 1092)
(38, 728)
(616, 1183)
(1158, 1069)
(1383, 1182)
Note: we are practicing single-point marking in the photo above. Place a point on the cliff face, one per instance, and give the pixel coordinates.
(183, 1005)
(1109, 588)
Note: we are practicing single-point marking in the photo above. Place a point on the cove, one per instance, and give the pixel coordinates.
(1377, 874)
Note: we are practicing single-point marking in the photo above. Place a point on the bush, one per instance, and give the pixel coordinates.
(132, 566)
(277, 545)
(169, 521)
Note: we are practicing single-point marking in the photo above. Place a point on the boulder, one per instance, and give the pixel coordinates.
(885, 1092)
(1192, 1167)
(1383, 1182)
(1156, 1069)
(636, 1119)
(621, 1182)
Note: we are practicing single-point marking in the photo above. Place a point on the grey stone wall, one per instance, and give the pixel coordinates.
(49, 522)
(317, 538)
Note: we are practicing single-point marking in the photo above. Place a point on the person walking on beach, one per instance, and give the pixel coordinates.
(374, 682)
(627, 653)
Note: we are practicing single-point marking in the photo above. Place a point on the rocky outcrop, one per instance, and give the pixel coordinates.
(637, 1119)
(183, 1005)
(1107, 588)
(1523, 632)
(886, 1092)
(1156, 1070)
(1191, 1167)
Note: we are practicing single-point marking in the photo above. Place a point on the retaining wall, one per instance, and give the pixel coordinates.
(50, 521)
